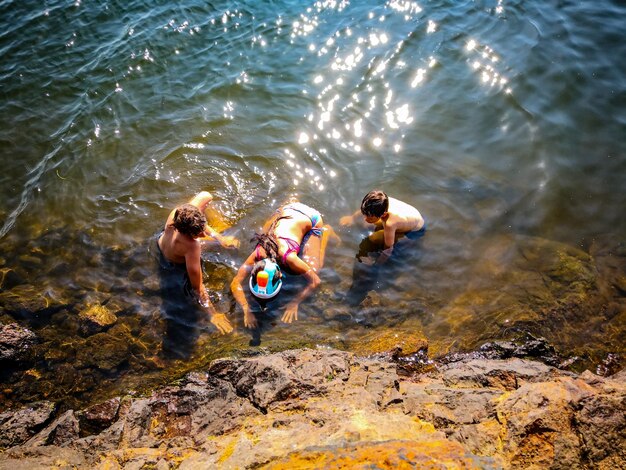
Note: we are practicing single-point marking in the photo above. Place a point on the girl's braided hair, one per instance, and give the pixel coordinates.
(268, 240)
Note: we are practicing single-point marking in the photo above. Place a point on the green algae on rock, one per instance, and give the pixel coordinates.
(96, 317)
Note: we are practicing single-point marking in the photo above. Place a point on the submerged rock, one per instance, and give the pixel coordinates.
(327, 408)
(104, 351)
(16, 342)
(24, 301)
(530, 285)
(395, 343)
(95, 318)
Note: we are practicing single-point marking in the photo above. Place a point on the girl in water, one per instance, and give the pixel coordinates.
(294, 240)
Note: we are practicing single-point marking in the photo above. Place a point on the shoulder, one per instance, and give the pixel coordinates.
(189, 246)
(400, 207)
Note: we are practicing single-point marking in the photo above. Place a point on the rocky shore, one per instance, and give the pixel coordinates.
(324, 408)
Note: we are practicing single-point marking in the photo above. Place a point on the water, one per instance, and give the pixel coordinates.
(495, 119)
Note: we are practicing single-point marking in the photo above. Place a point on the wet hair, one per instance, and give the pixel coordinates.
(374, 204)
(188, 220)
(268, 240)
(260, 266)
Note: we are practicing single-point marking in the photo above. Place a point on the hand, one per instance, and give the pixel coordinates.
(249, 320)
(346, 220)
(291, 313)
(367, 260)
(230, 242)
(221, 323)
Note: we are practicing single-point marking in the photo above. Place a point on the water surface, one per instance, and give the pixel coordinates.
(494, 118)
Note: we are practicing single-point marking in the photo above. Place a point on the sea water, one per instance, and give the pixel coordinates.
(502, 121)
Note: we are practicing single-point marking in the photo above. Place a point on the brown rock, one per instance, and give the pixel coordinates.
(18, 426)
(391, 454)
(62, 430)
(15, 342)
(100, 416)
(393, 342)
(331, 409)
(96, 317)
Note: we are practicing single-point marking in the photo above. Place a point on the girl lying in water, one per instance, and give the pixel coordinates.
(294, 241)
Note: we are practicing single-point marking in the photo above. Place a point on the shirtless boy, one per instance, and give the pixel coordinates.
(394, 217)
(180, 243)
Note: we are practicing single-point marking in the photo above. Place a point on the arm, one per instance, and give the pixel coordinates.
(389, 237)
(236, 287)
(225, 241)
(201, 201)
(300, 267)
(194, 270)
(349, 219)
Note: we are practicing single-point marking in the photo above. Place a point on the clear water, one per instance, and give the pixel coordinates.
(494, 118)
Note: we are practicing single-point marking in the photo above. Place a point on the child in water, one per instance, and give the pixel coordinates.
(180, 244)
(392, 219)
(293, 240)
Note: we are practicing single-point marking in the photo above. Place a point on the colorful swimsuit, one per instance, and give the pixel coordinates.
(292, 245)
(313, 215)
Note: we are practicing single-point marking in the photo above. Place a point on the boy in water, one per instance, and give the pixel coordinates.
(180, 244)
(394, 217)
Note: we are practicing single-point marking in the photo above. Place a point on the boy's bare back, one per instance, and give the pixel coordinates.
(403, 217)
(174, 245)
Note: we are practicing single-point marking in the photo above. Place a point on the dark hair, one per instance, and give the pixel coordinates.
(188, 220)
(268, 240)
(375, 203)
(260, 266)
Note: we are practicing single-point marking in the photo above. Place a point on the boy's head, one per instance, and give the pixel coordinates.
(374, 205)
(188, 220)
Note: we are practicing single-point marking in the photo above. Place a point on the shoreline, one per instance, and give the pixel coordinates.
(324, 407)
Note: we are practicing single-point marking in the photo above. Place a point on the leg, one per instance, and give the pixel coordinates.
(314, 247)
(215, 219)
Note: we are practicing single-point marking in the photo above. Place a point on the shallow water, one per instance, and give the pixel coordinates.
(495, 119)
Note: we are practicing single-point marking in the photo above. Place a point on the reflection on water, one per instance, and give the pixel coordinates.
(501, 122)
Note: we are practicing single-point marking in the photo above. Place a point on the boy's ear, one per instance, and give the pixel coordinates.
(385, 216)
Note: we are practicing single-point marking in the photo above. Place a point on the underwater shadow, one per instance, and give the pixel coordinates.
(368, 274)
(179, 309)
(269, 312)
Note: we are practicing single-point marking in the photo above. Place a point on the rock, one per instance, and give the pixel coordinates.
(23, 301)
(103, 351)
(15, 342)
(394, 342)
(391, 454)
(504, 374)
(64, 429)
(269, 379)
(600, 420)
(610, 365)
(18, 426)
(331, 409)
(48, 457)
(98, 417)
(96, 318)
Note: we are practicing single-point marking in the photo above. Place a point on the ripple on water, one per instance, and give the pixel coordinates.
(501, 123)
